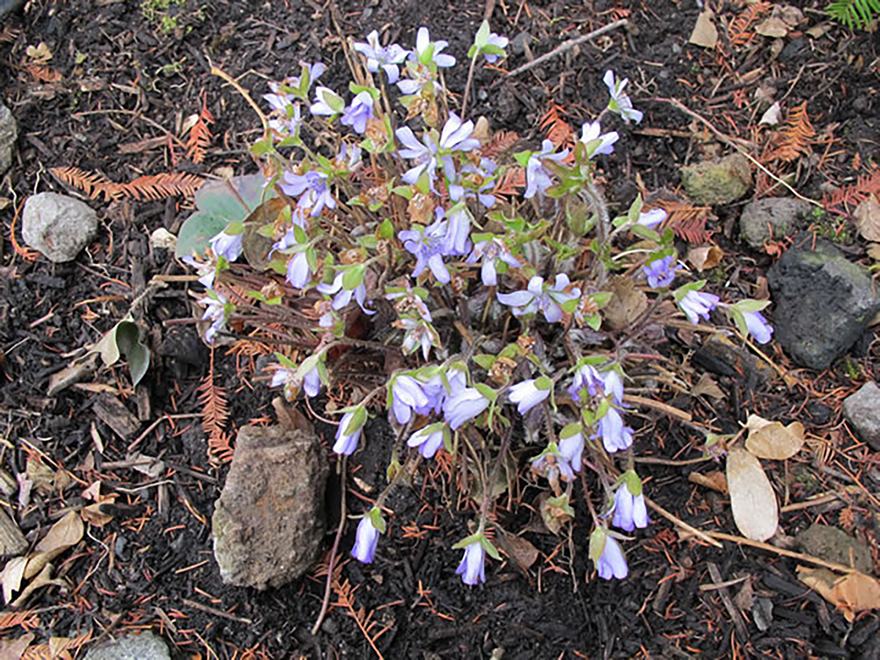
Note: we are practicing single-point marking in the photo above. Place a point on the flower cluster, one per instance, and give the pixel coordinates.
(394, 243)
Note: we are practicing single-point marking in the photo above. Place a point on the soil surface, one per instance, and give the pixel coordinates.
(114, 98)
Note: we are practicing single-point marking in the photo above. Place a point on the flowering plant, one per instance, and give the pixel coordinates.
(390, 234)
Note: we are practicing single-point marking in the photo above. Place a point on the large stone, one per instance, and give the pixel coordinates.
(862, 411)
(835, 545)
(58, 226)
(146, 646)
(269, 521)
(717, 181)
(824, 303)
(9, 6)
(774, 217)
(8, 134)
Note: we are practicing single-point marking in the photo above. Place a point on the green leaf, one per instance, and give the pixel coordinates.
(645, 232)
(375, 516)
(128, 340)
(353, 277)
(751, 305)
(482, 37)
(403, 191)
(485, 361)
(635, 209)
(386, 229)
(486, 391)
(522, 158)
(490, 549)
(544, 383)
(597, 543)
(357, 421)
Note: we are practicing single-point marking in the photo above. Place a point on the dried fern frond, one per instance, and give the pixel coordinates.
(854, 13)
(200, 136)
(556, 127)
(795, 137)
(511, 182)
(27, 620)
(157, 186)
(345, 598)
(501, 141)
(215, 414)
(688, 222)
(740, 31)
(844, 199)
(8, 34)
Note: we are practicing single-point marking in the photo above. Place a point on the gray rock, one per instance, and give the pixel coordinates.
(58, 226)
(9, 6)
(773, 217)
(823, 303)
(146, 646)
(862, 411)
(835, 545)
(8, 135)
(717, 181)
(269, 521)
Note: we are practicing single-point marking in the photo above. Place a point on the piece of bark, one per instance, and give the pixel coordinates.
(114, 414)
(12, 541)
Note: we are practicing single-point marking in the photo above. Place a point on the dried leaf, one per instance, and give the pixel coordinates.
(705, 257)
(705, 33)
(851, 593)
(64, 534)
(12, 576)
(874, 251)
(521, 550)
(773, 440)
(707, 385)
(772, 115)
(626, 304)
(772, 27)
(12, 649)
(868, 219)
(752, 499)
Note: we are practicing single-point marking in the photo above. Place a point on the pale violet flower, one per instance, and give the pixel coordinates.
(216, 311)
(343, 296)
(652, 218)
(298, 269)
(406, 395)
(285, 378)
(428, 439)
(497, 41)
(458, 227)
(540, 296)
(615, 435)
(611, 563)
(424, 154)
(419, 334)
(427, 245)
(387, 57)
(490, 250)
(593, 131)
(758, 326)
(571, 446)
(553, 465)
(311, 188)
(464, 406)
(529, 393)
(365, 542)
(698, 304)
(358, 113)
(472, 566)
(660, 272)
(349, 432)
(228, 246)
(327, 102)
(423, 43)
(537, 176)
(629, 510)
(620, 102)
(207, 270)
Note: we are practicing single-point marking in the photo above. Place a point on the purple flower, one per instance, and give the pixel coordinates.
(698, 304)
(458, 228)
(593, 131)
(227, 246)
(284, 378)
(348, 158)
(589, 380)
(311, 188)
(571, 446)
(406, 395)
(553, 465)
(497, 41)
(423, 43)
(428, 247)
(314, 70)
(615, 436)
(629, 510)
(620, 102)
(207, 270)
(537, 176)
(387, 57)
(472, 566)
(428, 440)
(529, 393)
(539, 296)
(464, 406)
(216, 311)
(652, 218)
(327, 102)
(419, 333)
(490, 250)
(421, 77)
(343, 296)
(423, 153)
(357, 114)
(660, 272)
(758, 326)
(312, 382)
(349, 431)
(366, 539)
(612, 563)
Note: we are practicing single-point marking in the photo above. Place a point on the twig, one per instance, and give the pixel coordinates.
(325, 605)
(780, 551)
(734, 613)
(737, 144)
(215, 612)
(681, 523)
(566, 46)
(244, 94)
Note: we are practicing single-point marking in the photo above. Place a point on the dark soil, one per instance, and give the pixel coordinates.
(123, 82)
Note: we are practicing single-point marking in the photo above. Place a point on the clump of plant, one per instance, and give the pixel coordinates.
(854, 13)
(171, 16)
(507, 302)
